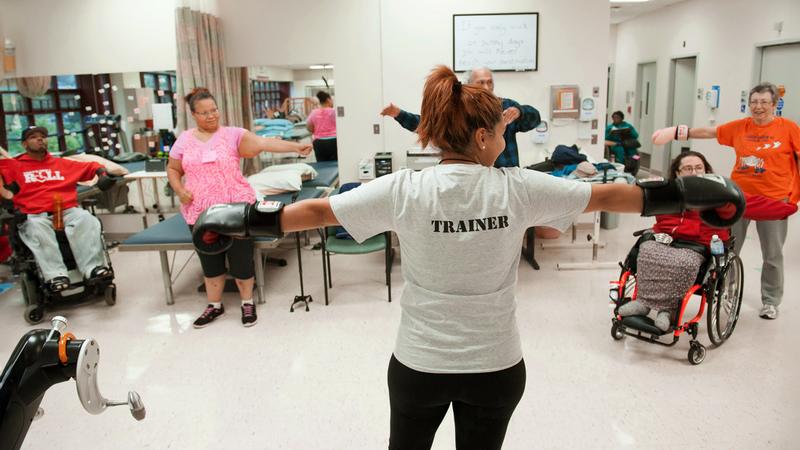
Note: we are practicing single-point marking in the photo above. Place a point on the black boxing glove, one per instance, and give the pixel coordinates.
(712, 194)
(104, 180)
(216, 227)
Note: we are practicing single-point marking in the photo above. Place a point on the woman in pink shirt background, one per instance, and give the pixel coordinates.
(204, 170)
(322, 125)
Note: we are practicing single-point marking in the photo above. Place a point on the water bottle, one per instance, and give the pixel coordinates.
(718, 249)
(58, 212)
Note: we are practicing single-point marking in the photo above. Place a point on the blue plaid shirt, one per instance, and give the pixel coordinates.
(529, 118)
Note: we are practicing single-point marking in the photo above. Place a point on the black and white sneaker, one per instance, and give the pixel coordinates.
(59, 284)
(209, 315)
(249, 317)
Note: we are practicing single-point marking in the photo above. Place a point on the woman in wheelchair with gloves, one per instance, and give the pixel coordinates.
(670, 257)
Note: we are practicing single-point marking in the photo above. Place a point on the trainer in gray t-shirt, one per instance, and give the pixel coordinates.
(460, 228)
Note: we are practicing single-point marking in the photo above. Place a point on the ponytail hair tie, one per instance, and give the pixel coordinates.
(457, 87)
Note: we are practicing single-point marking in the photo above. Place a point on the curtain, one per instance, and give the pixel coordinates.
(201, 63)
(33, 87)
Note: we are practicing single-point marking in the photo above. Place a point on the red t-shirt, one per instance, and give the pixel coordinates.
(688, 227)
(766, 155)
(40, 181)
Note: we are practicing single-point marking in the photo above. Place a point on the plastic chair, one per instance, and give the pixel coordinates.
(332, 244)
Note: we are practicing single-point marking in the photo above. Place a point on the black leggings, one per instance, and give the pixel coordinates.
(325, 149)
(482, 406)
(240, 260)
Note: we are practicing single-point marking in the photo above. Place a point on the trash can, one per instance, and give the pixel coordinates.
(609, 221)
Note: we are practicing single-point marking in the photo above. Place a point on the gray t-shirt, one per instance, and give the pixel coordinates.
(460, 228)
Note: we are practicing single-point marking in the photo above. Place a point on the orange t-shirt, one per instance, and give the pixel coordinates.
(766, 156)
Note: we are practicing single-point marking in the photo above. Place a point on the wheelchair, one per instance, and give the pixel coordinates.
(38, 295)
(718, 285)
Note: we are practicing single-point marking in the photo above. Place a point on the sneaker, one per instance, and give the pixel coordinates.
(662, 320)
(769, 312)
(249, 317)
(100, 272)
(209, 315)
(58, 284)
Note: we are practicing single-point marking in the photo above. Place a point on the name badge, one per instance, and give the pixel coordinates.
(208, 156)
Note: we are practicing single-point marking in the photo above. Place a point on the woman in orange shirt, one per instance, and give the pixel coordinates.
(767, 154)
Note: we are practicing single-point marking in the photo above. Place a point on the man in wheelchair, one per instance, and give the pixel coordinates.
(669, 259)
(45, 200)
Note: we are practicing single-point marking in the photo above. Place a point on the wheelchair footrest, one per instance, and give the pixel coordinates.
(643, 324)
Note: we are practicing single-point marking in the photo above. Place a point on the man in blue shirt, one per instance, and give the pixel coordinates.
(518, 118)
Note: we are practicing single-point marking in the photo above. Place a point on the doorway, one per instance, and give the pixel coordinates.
(780, 65)
(682, 102)
(645, 114)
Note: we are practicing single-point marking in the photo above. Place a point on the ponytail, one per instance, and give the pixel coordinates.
(452, 112)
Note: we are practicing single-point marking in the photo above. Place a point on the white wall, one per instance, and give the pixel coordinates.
(723, 34)
(271, 73)
(310, 78)
(90, 36)
(413, 43)
(372, 45)
(343, 33)
(612, 43)
(382, 52)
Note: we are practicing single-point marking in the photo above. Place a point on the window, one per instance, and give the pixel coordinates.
(62, 110)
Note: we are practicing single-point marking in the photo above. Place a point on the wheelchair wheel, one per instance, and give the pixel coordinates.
(617, 331)
(110, 294)
(697, 353)
(723, 312)
(34, 314)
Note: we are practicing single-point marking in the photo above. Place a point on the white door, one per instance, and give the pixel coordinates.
(683, 101)
(646, 95)
(780, 64)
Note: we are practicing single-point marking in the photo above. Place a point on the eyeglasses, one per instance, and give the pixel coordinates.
(213, 112)
(760, 103)
(699, 169)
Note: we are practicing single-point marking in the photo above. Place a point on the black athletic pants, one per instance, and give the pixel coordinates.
(325, 149)
(482, 406)
(240, 260)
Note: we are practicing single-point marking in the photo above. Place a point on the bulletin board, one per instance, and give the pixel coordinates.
(565, 101)
(501, 42)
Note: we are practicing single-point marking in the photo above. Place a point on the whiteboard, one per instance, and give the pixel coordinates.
(497, 41)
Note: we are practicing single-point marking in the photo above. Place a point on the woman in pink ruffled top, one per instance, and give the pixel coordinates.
(204, 170)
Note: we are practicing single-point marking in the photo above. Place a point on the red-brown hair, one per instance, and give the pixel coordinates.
(197, 94)
(452, 112)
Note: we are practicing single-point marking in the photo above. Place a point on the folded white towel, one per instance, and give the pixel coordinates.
(306, 171)
(276, 182)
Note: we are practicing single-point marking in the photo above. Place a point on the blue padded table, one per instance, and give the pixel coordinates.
(307, 192)
(173, 234)
(327, 174)
(133, 166)
(297, 134)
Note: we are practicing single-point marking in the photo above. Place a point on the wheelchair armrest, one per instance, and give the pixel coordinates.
(641, 232)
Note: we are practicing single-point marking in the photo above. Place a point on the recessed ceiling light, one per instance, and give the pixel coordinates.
(320, 66)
